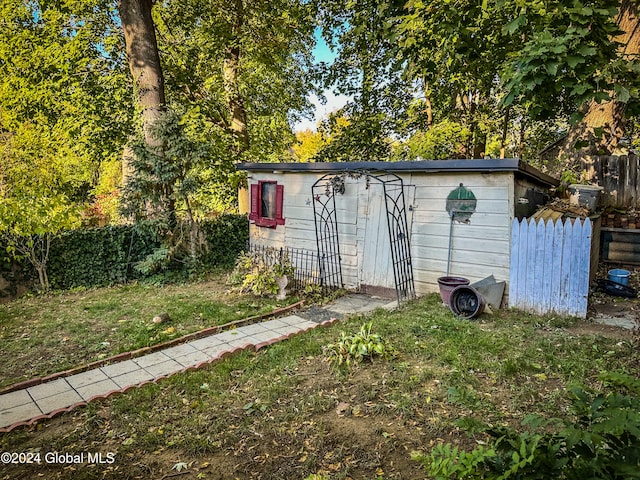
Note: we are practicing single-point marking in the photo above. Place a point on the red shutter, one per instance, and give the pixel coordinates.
(255, 202)
(279, 201)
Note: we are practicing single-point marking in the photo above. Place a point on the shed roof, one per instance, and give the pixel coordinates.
(483, 165)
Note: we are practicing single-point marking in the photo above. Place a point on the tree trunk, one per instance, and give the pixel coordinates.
(428, 106)
(230, 75)
(144, 61)
(238, 123)
(603, 124)
(144, 64)
(148, 82)
(505, 129)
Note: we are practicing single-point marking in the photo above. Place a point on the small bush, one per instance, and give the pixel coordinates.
(258, 272)
(359, 347)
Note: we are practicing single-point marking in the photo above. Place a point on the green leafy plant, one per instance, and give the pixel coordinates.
(29, 224)
(359, 347)
(115, 254)
(258, 272)
(602, 441)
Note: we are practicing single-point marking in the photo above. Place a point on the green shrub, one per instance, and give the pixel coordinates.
(99, 256)
(93, 257)
(258, 272)
(602, 441)
(358, 347)
(227, 236)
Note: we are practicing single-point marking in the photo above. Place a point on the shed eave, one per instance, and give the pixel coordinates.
(484, 165)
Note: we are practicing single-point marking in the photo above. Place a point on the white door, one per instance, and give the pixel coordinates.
(376, 266)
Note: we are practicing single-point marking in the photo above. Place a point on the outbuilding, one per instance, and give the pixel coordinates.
(385, 227)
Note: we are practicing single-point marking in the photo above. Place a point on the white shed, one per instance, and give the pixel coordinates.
(366, 214)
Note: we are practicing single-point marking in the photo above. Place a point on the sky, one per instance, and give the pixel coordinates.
(322, 53)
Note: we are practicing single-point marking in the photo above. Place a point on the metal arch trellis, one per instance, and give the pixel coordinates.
(324, 192)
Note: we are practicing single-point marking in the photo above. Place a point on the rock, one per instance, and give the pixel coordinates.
(161, 318)
(343, 408)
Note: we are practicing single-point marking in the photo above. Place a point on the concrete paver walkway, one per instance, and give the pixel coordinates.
(28, 405)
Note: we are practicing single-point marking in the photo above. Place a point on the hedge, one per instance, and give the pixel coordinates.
(104, 256)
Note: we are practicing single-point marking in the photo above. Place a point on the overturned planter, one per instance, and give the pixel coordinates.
(465, 301)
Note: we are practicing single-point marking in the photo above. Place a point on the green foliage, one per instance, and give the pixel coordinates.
(446, 462)
(367, 70)
(63, 93)
(359, 137)
(602, 441)
(275, 71)
(227, 236)
(28, 225)
(99, 256)
(92, 257)
(358, 347)
(258, 272)
(163, 177)
(490, 67)
(569, 57)
(307, 145)
(444, 140)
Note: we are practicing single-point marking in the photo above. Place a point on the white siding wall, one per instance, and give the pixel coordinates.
(299, 228)
(479, 249)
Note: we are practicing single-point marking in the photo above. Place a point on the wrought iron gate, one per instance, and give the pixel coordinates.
(324, 192)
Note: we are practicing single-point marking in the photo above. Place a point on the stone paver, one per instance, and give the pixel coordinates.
(273, 324)
(97, 389)
(294, 320)
(15, 399)
(50, 389)
(207, 342)
(287, 330)
(194, 358)
(57, 395)
(19, 413)
(120, 368)
(58, 401)
(242, 341)
(214, 351)
(164, 368)
(151, 359)
(179, 350)
(86, 378)
(132, 378)
(253, 329)
(262, 337)
(229, 335)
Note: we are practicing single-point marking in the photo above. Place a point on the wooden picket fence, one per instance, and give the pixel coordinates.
(550, 266)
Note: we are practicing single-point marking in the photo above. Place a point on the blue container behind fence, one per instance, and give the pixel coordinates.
(619, 276)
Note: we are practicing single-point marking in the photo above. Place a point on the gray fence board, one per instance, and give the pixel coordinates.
(550, 264)
(618, 174)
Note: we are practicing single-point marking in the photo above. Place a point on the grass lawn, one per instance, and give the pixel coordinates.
(45, 334)
(282, 413)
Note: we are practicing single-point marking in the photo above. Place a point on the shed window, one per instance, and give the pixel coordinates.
(266, 204)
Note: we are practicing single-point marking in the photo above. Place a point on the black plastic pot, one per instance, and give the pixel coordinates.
(466, 301)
